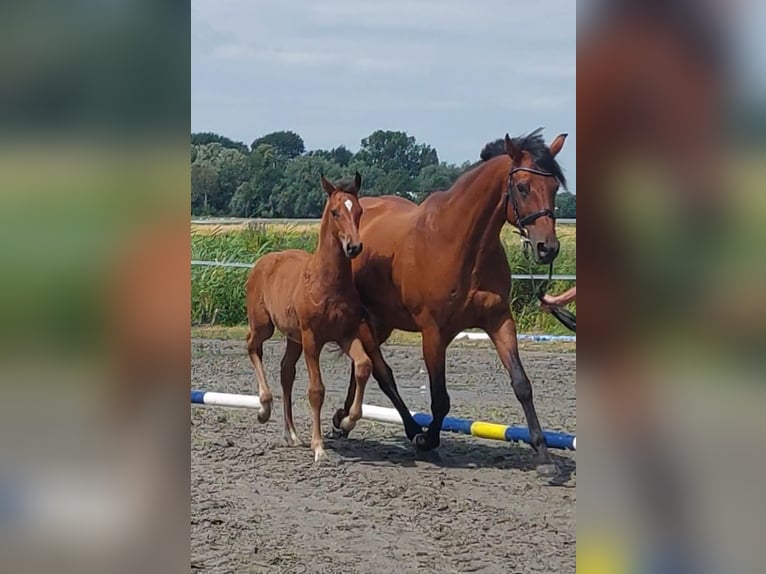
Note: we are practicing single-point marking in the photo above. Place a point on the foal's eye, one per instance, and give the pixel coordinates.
(334, 212)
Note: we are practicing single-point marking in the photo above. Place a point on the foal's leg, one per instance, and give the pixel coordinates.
(261, 328)
(316, 392)
(383, 374)
(435, 354)
(287, 378)
(341, 414)
(503, 334)
(362, 368)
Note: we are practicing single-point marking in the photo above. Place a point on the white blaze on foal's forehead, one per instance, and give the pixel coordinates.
(349, 204)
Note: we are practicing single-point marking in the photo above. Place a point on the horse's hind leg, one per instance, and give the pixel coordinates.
(261, 329)
(385, 377)
(287, 378)
(361, 369)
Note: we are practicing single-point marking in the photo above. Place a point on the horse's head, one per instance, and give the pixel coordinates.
(533, 181)
(343, 212)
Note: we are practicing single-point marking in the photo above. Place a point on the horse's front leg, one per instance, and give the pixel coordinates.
(311, 350)
(434, 354)
(502, 331)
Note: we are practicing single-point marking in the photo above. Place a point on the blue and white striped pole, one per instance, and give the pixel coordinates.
(479, 429)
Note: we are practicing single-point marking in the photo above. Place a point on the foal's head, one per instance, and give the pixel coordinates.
(342, 214)
(533, 181)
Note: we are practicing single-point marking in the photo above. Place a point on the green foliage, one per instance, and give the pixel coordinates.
(300, 193)
(340, 155)
(203, 138)
(566, 204)
(204, 185)
(218, 293)
(396, 182)
(277, 178)
(390, 150)
(286, 143)
(435, 177)
(217, 172)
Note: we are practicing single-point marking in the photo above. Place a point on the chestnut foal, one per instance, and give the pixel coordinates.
(311, 298)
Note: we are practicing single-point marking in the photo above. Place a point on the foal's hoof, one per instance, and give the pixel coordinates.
(337, 420)
(547, 470)
(423, 441)
(337, 423)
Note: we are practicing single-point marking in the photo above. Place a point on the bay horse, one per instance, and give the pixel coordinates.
(439, 267)
(311, 299)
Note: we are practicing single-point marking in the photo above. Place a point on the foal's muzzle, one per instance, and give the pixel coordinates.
(353, 249)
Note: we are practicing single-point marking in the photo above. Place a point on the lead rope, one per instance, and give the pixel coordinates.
(566, 318)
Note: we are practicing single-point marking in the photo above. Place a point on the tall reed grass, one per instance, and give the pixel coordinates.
(218, 293)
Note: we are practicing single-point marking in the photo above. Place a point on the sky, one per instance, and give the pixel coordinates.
(452, 73)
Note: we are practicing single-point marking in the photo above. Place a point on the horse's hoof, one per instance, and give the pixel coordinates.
(319, 454)
(412, 432)
(547, 470)
(264, 415)
(423, 441)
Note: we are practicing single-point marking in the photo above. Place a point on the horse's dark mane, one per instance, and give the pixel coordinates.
(532, 143)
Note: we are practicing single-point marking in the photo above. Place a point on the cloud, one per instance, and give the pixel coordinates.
(453, 73)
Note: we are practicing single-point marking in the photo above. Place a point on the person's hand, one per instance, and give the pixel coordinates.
(549, 302)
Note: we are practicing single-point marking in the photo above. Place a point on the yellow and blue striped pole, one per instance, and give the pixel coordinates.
(479, 429)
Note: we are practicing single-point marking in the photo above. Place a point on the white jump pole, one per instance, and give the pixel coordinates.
(478, 429)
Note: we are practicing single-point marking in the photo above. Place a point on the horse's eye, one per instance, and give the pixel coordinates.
(523, 188)
(334, 212)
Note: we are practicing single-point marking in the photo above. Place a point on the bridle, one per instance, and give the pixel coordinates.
(564, 316)
(522, 222)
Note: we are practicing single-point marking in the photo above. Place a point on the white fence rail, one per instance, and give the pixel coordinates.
(236, 264)
(287, 221)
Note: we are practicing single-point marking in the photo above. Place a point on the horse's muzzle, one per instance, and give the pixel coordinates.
(545, 252)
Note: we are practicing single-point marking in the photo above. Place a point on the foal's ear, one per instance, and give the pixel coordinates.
(357, 183)
(557, 144)
(328, 187)
(513, 149)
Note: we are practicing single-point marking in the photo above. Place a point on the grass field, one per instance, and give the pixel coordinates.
(218, 297)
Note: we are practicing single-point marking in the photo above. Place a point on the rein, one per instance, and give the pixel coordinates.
(565, 317)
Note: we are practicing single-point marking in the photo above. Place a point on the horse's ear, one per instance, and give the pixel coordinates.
(357, 183)
(557, 144)
(513, 149)
(328, 187)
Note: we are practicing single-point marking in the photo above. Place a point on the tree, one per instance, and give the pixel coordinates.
(391, 150)
(371, 177)
(566, 204)
(300, 194)
(231, 168)
(203, 138)
(340, 155)
(286, 143)
(204, 183)
(435, 177)
(397, 182)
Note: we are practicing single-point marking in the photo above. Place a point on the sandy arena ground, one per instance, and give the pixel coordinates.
(374, 505)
